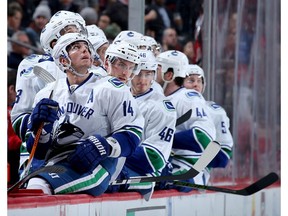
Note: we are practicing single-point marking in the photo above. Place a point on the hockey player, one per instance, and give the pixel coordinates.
(100, 43)
(27, 83)
(196, 80)
(194, 135)
(160, 119)
(97, 119)
(117, 63)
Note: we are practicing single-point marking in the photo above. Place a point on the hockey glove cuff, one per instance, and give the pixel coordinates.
(89, 153)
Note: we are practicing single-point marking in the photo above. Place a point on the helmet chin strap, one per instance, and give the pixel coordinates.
(166, 81)
(76, 73)
(69, 67)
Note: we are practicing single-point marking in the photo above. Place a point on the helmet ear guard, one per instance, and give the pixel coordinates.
(111, 59)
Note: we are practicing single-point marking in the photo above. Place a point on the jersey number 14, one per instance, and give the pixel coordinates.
(127, 108)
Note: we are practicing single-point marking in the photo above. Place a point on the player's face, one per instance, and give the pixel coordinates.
(141, 83)
(80, 56)
(101, 51)
(122, 69)
(69, 29)
(194, 82)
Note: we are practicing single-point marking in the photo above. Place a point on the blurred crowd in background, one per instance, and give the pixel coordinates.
(172, 23)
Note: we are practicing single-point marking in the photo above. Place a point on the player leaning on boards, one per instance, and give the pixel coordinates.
(196, 80)
(28, 84)
(89, 109)
(160, 118)
(193, 136)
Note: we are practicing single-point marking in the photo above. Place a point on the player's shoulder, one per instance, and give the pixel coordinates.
(191, 93)
(162, 103)
(215, 107)
(25, 68)
(35, 58)
(99, 71)
(112, 83)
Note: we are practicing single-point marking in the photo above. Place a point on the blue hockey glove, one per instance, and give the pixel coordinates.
(185, 189)
(44, 111)
(89, 153)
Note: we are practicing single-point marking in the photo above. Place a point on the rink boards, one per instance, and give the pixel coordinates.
(162, 203)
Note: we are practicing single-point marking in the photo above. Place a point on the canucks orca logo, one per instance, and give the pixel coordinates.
(174, 53)
(67, 133)
(192, 94)
(168, 105)
(116, 82)
(215, 106)
(130, 34)
(25, 72)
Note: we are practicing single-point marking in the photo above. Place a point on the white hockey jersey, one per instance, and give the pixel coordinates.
(188, 146)
(97, 106)
(99, 71)
(184, 99)
(160, 119)
(222, 124)
(27, 86)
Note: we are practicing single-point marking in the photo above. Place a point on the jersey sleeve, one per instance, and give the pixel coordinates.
(223, 134)
(27, 86)
(153, 153)
(200, 117)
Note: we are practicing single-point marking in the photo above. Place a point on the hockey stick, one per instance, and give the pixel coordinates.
(184, 117)
(43, 74)
(49, 169)
(207, 156)
(247, 191)
(37, 71)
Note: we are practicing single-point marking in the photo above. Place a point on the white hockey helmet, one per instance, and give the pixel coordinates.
(193, 69)
(128, 36)
(147, 61)
(55, 29)
(60, 49)
(94, 30)
(97, 41)
(173, 59)
(125, 51)
(67, 15)
(149, 43)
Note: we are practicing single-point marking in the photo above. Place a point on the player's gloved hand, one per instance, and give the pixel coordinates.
(44, 111)
(185, 189)
(89, 153)
(167, 171)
